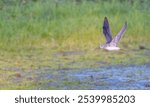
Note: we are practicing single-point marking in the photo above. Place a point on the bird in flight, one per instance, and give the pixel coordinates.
(111, 44)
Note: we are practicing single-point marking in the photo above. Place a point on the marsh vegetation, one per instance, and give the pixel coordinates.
(42, 40)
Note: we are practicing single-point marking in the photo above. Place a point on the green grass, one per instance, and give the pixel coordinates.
(34, 23)
(31, 33)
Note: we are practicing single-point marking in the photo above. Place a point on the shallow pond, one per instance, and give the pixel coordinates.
(110, 77)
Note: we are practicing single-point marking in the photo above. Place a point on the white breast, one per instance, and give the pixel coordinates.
(112, 48)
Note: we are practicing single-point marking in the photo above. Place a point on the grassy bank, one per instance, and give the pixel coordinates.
(65, 24)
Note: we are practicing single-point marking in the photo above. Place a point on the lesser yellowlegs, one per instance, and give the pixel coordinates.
(111, 44)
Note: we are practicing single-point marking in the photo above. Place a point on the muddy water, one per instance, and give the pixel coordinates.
(110, 77)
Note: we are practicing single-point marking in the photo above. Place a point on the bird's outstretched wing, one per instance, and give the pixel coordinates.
(119, 35)
(106, 31)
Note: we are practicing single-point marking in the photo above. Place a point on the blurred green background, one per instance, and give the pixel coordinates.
(68, 23)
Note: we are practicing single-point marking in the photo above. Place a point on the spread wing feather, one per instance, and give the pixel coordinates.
(106, 30)
(119, 35)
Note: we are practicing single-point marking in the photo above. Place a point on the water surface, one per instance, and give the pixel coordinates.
(103, 78)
